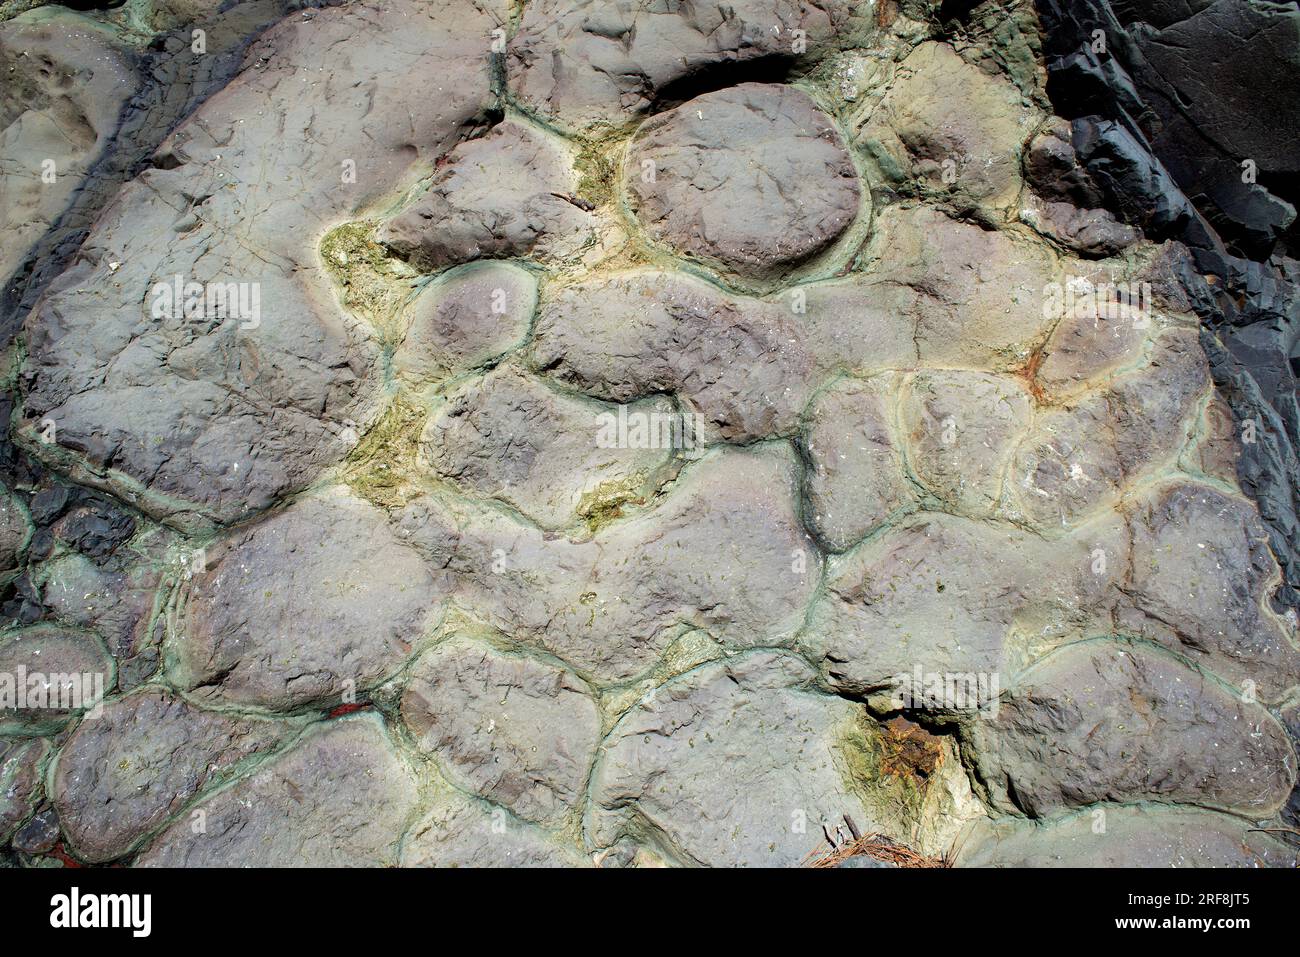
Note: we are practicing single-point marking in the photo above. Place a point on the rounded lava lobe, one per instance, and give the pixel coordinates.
(755, 178)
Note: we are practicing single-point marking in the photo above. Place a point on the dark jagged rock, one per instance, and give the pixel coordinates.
(1161, 124)
(40, 834)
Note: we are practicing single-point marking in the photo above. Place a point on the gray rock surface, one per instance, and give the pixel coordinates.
(656, 775)
(513, 437)
(1199, 576)
(508, 193)
(116, 599)
(342, 796)
(955, 596)
(122, 775)
(286, 615)
(724, 552)
(15, 532)
(21, 762)
(516, 731)
(752, 178)
(218, 416)
(952, 127)
(666, 434)
(960, 429)
(40, 834)
(1085, 349)
(856, 479)
(934, 291)
(1107, 721)
(459, 832)
(737, 362)
(1084, 455)
(50, 673)
(67, 79)
(1109, 837)
(580, 63)
(946, 595)
(466, 319)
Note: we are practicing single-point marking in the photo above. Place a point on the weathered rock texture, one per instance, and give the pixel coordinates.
(519, 732)
(318, 601)
(150, 753)
(753, 177)
(342, 796)
(581, 433)
(221, 412)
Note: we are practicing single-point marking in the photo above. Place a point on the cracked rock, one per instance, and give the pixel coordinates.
(210, 411)
(856, 479)
(141, 762)
(116, 598)
(509, 193)
(15, 532)
(518, 732)
(947, 595)
(655, 779)
(21, 760)
(50, 673)
(459, 832)
(723, 552)
(596, 432)
(955, 128)
(740, 363)
(340, 797)
(961, 428)
(1200, 579)
(286, 616)
(510, 436)
(1085, 347)
(66, 81)
(1105, 721)
(951, 294)
(1083, 456)
(468, 318)
(581, 63)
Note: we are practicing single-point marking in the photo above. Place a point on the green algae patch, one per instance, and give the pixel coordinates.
(603, 504)
(596, 171)
(371, 284)
(384, 465)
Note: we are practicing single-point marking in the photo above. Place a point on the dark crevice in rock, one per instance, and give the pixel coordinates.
(956, 9)
(724, 75)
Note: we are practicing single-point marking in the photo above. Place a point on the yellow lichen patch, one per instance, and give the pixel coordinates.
(605, 502)
(384, 465)
(371, 284)
(596, 171)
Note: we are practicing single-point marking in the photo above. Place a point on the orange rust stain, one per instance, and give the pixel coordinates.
(908, 750)
(1029, 374)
